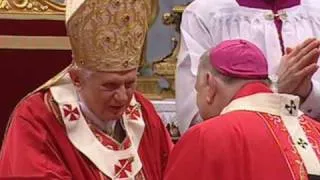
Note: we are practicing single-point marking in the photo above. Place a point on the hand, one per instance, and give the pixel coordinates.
(297, 67)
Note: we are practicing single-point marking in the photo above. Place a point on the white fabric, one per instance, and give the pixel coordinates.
(275, 104)
(205, 23)
(71, 7)
(85, 141)
(166, 109)
(313, 104)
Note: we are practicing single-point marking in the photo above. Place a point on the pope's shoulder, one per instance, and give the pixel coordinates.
(36, 107)
(31, 102)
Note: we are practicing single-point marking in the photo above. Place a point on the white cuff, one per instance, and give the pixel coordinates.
(311, 106)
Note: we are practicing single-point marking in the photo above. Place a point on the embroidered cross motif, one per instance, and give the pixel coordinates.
(71, 113)
(292, 107)
(133, 112)
(302, 143)
(124, 168)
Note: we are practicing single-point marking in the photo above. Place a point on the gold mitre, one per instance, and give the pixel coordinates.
(107, 35)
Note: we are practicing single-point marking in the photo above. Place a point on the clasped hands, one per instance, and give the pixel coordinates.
(297, 67)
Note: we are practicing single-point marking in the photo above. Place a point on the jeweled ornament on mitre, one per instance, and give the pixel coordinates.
(107, 35)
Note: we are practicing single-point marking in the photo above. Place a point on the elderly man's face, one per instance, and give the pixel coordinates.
(107, 94)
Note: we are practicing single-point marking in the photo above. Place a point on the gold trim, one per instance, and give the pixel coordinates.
(166, 66)
(150, 88)
(49, 10)
(31, 6)
(35, 42)
(21, 16)
(179, 8)
(155, 8)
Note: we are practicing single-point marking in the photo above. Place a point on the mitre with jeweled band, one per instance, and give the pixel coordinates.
(107, 35)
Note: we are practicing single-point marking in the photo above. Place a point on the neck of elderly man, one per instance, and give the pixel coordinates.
(215, 90)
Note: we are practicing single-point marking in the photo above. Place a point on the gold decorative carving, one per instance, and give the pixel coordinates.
(167, 65)
(4, 5)
(43, 7)
(31, 7)
(154, 12)
(150, 87)
(52, 9)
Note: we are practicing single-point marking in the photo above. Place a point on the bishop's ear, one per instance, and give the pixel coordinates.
(211, 84)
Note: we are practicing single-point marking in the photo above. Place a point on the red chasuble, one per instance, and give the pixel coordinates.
(243, 145)
(36, 145)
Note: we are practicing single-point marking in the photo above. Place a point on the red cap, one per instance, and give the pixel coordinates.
(240, 59)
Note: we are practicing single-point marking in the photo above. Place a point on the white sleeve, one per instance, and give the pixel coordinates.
(195, 40)
(297, 33)
(311, 105)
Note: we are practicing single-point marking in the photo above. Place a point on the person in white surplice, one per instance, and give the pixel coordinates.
(275, 26)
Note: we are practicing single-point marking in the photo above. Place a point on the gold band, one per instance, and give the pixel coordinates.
(35, 42)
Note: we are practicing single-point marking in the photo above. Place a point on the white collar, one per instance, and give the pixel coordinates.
(271, 103)
(108, 161)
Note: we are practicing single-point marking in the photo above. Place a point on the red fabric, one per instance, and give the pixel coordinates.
(22, 71)
(312, 129)
(36, 145)
(32, 27)
(252, 89)
(269, 4)
(286, 144)
(237, 145)
(109, 142)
